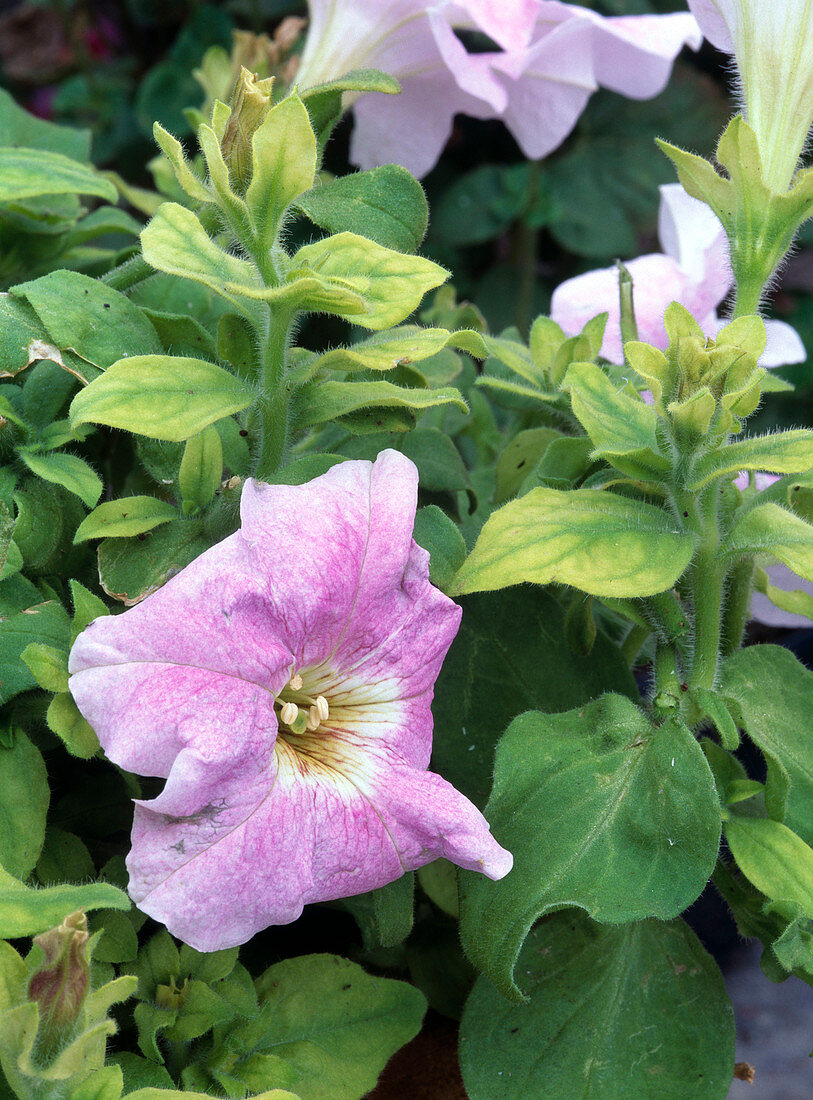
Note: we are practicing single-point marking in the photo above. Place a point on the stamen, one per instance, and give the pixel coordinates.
(296, 682)
(313, 719)
(288, 713)
(322, 708)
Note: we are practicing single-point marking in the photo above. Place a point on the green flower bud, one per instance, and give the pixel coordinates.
(61, 983)
(250, 103)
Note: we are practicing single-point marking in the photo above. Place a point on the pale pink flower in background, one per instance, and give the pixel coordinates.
(552, 57)
(282, 684)
(772, 42)
(694, 269)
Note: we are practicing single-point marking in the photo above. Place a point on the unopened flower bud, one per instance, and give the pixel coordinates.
(251, 102)
(61, 983)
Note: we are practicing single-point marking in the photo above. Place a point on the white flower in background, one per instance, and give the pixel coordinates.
(772, 42)
(693, 269)
(552, 57)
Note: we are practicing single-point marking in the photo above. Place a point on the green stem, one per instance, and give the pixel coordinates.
(749, 295)
(273, 403)
(667, 676)
(707, 589)
(132, 271)
(631, 646)
(738, 605)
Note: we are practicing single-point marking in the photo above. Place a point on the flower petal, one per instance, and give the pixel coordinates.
(765, 612)
(270, 843)
(634, 53)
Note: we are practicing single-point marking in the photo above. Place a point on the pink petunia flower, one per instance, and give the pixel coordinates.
(694, 269)
(282, 684)
(552, 57)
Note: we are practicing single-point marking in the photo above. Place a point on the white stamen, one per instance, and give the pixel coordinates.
(313, 718)
(322, 707)
(288, 713)
(296, 682)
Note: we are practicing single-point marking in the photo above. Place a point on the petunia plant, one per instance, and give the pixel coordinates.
(361, 659)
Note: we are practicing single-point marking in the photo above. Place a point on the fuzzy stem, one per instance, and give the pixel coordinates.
(707, 587)
(130, 273)
(631, 646)
(738, 605)
(273, 403)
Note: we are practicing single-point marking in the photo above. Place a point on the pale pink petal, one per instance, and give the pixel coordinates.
(509, 22)
(784, 345)
(761, 481)
(316, 832)
(765, 612)
(634, 54)
(714, 18)
(548, 85)
(691, 233)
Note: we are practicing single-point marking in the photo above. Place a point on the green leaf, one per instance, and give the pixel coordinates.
(45, 623)
(162, 396)
(20, 127)
(106, 1083)
(621, 426)
(386, 204)
(86, 608)
(509, 656)
(64, 857)
(780, 453)
(284, 164)
(773, 858)
(773, 694)
(713, 706)
(173, 151)
(397, 347)
(180, 334)
(129, 569)
(438, 535)
(64, 719)
(24, 798)
(125, 518)
(334, 1024)
(27, 173)
(519, 459)
(324, 101)
(604, 544)
(176, 242)
(770, 529)
(636, 1011)
(629, 815)
(390, 284)
(321, 402)
(440, 467)
(385, 916)
(26, 912)
(98, 323)
(71, 472)
(48, 665)
(19, 326)
(201, 470)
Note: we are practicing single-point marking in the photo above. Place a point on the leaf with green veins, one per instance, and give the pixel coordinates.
(173, 151)
(604, 544)
(208, 966)
(63, 719)
(630, 820)
(106, 1083)
(25, 911)
(340, 1034)
(150, 1021)
(651, 1018)
(102, 324)
(129, 569)
(201, 470)
(86, 608)
(773, 858)
(24, 798)
(45, 623)
(770, 529)
(508, 657)
(69, 471)
(385, 204)
(118, 942)
(324, 101)
(440, 467)
(164, 397)
(19, 326)
(176, 242)
(518, 389)
(566, 461)
(48, 666)
(322, 402)
(39, 527)
(390, 284)
(28, 173)
(125, 518)
(621, 427)
(384, 916)
(284, 164)
(64, 858)
(396, 346)
(140, 1074)
(773, 694)
(779, 453)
